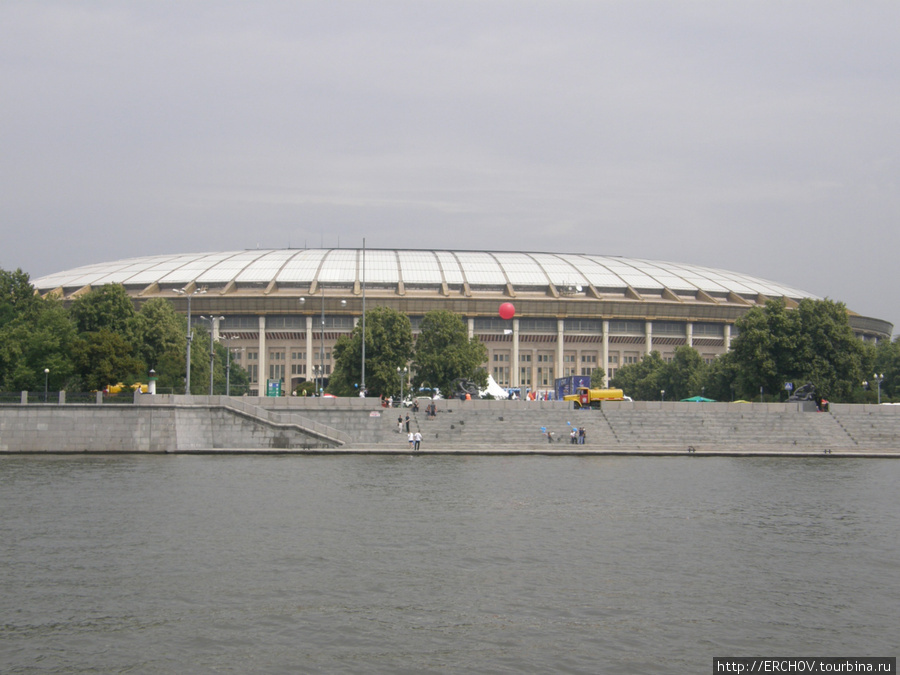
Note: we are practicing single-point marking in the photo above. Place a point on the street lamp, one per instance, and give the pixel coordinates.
(46, 377)
(878, 378)
(362, 383)
(212, 353)
(190, 334)
(401, 374)
(322, 342)
(662, 394)
(227, 341)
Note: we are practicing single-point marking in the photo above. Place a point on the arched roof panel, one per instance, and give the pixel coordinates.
(419, 267)
(339, 267)
(450, 265)
(522, 269)
(481, 268)
(381, 267)
(287, 267)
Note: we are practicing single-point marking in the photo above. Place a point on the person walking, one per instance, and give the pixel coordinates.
(407, 423)
(418, 441)
(411, 439)
(400, 423)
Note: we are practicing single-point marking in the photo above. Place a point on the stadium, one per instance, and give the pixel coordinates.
(280, 311)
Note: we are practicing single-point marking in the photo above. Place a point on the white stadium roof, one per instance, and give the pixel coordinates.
(518, 271)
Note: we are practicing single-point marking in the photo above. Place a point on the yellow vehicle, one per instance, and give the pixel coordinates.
(119, 387)
(585, 397)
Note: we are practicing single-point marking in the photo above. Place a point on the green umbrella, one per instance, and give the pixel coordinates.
(699, 399)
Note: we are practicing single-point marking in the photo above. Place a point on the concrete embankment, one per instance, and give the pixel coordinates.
(196, 424)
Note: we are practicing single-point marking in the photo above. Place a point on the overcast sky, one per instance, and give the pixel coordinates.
(761, 137)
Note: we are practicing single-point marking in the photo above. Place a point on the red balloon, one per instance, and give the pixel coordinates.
(507, 310)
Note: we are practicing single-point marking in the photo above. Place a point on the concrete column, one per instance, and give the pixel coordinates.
(727, 336)
(263, 376)
(560, 346)
(604, 354)
(514, 366)
(310, 373)
(648, 337)
(689, 333)
(215, 329)
(471, 323)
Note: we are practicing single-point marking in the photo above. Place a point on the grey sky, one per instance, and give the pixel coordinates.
(762, 137)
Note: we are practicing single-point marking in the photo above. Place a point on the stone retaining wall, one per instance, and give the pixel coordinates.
(200, 424)
(163, 428)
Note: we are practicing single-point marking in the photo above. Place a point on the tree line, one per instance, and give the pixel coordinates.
(100, 339)
(774, 345)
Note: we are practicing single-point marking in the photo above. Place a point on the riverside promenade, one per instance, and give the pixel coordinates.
(219, 424)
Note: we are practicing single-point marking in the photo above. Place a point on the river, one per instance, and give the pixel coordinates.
(442, 564)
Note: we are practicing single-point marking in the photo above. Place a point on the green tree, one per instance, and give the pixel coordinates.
(812, 343)
(643, 380)
(41, 338)
(831, 355)
(445, 353)
(885, 360)
(106, 350)
(721, 377)
(158, 329)
(389, 345)
(17, 296)
(766, 349)
(104, 357)
(107, 307)
(684, 375)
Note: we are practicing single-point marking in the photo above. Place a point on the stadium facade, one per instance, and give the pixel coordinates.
(281, 310)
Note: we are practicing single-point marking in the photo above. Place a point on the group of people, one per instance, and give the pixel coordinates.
(401, 423)
(415, 439)
(576, 436)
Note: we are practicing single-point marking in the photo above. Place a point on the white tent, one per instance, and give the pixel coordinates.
(494, 389)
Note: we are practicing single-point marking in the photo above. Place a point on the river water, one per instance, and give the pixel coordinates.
(440, 564)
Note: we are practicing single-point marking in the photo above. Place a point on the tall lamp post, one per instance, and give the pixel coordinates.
(46, 378)
(402, 375)
(878, 377)
(322, 346)
(212, 352)
(362, 384)
(190, 334)
(662, 395)
(227, 341)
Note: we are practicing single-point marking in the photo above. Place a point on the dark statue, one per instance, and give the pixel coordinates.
(464, 386)
(805, 393)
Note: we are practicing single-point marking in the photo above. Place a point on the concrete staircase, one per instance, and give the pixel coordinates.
(876, 427)
(469, 428)
(631, 427)
(723, 427)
